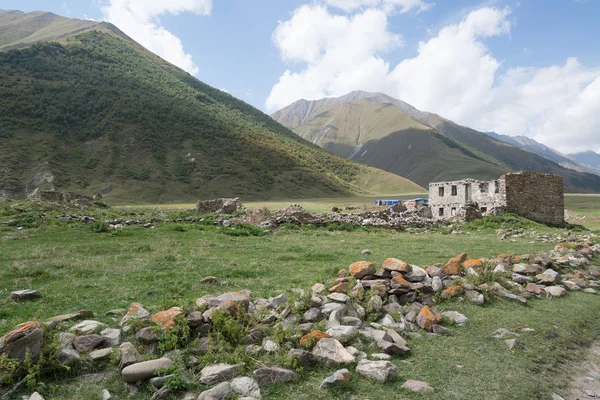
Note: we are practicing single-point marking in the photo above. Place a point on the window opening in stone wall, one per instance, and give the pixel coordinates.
(483, 188)
(441, 191)
(496, 187)
(453, 211)
(454, 190)
(483, 210)
(441, 212)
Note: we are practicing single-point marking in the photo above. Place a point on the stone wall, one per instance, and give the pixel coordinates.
(447, 198)
(219, 206)
(536, 196)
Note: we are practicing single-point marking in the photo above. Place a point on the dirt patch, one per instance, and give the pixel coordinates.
(585, 384)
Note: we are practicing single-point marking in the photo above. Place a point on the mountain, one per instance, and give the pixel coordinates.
(542, 150)
(386, 133)
(589, 159)
(86, 109)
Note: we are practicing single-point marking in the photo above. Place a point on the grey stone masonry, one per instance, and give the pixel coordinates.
(534, 195)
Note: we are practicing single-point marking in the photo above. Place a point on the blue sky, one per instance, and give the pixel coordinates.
(528, 67)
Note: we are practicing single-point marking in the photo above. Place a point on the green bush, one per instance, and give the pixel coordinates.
(244, 230)
(99, 227)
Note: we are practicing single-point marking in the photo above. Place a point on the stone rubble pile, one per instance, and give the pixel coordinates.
(361, 320)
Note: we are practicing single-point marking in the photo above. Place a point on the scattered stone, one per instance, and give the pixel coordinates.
(135, 312)
(440, 330)
(111, 336)
(159, 381)
(417, 386)
(36, 396)
(589, 290)
(381, 357)
(307, 359)
(87, 327)
(343, 333)
(220, 392)
(269, 376)
(106, 395)
(67, 356)
(245, 386)
(313, 315)
(339, 378)
(394, 264)
(455, 317)
(381, 371)
(270, 346)
(475, 297)
(365, 252)
(215, 373)
(26, 294)
(360, 269)
(211, 280)
(514, 297)
(392, 348)
(312, 338)
(129, 355)
(166, 319)
(332, 352)
(427, 318)
(502, 332)
(146, 335)
(66, 340)
(318, 288)
(144, 370)
(100, 354)
(278, 301)
(513, 344)
(555, 291)
(23, 338)
(339, 297)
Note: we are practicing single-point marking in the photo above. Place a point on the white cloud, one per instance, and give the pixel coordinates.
(388, 6)
(339, 52)
(140, 20)
(453, 74)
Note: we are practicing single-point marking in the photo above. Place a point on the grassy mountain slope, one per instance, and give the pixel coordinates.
(99, 111)
(387, 133)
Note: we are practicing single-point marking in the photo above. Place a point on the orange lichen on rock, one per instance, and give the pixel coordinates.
(472, 263)
(312, 338)
(398, 282)
(454, 265)
(360, 269)
(394, 264)
(427, 318)
(452, 291)
(166, 319)
(339, 288)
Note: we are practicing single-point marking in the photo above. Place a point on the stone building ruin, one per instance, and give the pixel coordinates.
(533, 195)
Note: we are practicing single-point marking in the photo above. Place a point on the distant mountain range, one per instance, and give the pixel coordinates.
(378, 130)
(87, 109)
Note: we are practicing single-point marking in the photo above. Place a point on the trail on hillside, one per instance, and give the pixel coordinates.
(585, 383)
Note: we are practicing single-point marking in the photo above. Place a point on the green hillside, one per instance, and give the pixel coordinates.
(98, 112)
(378, 130)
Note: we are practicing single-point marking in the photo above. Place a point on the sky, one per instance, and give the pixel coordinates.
(516, 67)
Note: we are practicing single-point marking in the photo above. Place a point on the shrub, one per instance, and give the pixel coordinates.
(99, 227)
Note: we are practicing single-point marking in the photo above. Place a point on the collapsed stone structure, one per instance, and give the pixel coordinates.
(59, 197)
(533, 195)
(220, 206)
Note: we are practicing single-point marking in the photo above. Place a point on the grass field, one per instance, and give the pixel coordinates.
(75, 268)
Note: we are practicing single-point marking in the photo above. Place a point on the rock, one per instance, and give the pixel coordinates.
(166, 319)
(341, 287)
(215, 373)
(417, 274)
(254, 337)
(502, 332)
(556, 397)
(589, 290)
(513, 344)
(365, 252)
(555, 291)
(144, 370)
(195, 319)
(454, 265)
(87, 327)
(26, 294)
(392, 348)
(417, 386)
(475, 297)
(100, 354)
(375, 304)
(36, 396)
(220, 392)
(518, 278)
(380, 357)
(313, 315)
(160, 381)
(242, 299)
(106, 395)
(211, 280)
(472, 263)
(514, 297)
(394, 264)
(135, 312)
(317, 288)
(66, 340)
(21, 339)
(146, 335)
(534, 288)
(278, 301)
(352, 321)
(400, 285)
(452, 291)
(339, 297)
(129, 355)
(436, 284)
(440, 330)
(332, 352)
(245, 386)
(343, 333)
(270, 346)
(339, 378)
(455, 317)
(360, 269)
(111, 336)
(427, 318)
(269, 376)
(381, 371)
(312, 338)
(306, 358)
(67, 356)
(396, 338)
